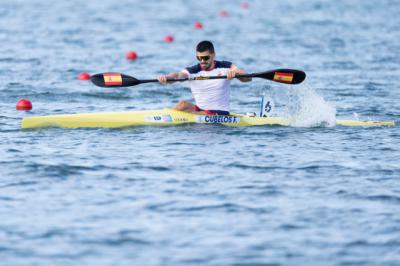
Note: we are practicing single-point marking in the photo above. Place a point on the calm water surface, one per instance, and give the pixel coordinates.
(196, 194)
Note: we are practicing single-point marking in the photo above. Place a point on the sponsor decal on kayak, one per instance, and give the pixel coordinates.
(158, 118)
(181, 119)
(112, 79)
(216, 119)
(283, 77)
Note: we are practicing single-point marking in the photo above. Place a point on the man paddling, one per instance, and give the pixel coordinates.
(211, 96)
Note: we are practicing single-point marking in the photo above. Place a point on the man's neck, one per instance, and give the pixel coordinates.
(210, 68)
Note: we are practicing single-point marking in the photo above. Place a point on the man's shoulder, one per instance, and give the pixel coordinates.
(223, 64)
(194, 69)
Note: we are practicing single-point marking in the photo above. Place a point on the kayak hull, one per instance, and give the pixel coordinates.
(165, 117)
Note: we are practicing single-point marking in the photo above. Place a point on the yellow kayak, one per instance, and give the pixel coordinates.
(166, 117)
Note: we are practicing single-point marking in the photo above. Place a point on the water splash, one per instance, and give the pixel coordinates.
(308, 109)
(303, 106)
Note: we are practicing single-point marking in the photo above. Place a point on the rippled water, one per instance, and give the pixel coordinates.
(197, 194)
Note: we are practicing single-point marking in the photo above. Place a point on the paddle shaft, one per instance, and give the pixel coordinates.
(198, 78)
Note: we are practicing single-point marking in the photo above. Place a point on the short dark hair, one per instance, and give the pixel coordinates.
(205, 46)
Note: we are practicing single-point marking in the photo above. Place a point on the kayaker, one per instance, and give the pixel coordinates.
(211, 96)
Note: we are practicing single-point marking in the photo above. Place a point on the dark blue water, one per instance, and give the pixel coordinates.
(201, 195)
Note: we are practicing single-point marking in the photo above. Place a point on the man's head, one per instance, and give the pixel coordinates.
(205, 54)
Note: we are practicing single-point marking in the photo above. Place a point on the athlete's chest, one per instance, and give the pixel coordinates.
(214, 72)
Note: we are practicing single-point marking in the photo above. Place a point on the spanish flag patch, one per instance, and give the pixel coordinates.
(112, 79)
(283, 77)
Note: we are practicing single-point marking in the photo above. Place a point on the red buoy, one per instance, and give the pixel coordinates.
(84, 76)
(224, 13)
(244, 5)
(24, 104)
(198, 25)
(168, 38)
(131, 55)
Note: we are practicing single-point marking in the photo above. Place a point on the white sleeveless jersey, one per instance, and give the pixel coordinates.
(212, 94)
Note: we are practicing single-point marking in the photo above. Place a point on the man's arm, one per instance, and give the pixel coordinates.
(235, 70)
(174, 75)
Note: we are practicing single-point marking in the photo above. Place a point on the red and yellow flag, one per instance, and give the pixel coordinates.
(283, 77)
(112, 79)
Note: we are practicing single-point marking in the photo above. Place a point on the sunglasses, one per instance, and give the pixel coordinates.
(203, 58)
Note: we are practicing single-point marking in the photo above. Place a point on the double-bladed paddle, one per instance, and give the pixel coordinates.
(287, 76)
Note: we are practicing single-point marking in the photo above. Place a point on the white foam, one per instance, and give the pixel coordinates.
(311, 110)
(304, 107)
